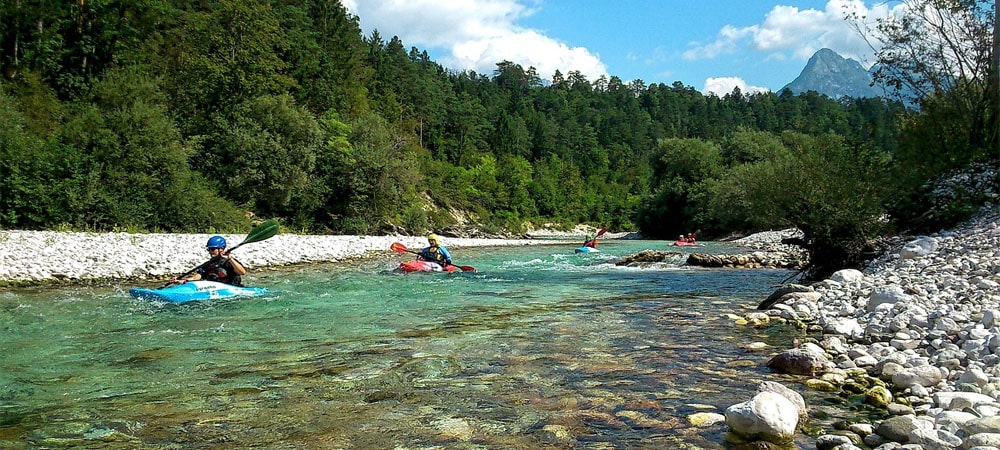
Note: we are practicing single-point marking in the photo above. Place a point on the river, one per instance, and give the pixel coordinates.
(541, 348)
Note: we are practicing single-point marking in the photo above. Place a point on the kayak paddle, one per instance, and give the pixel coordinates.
(398, 247)
(259, 233)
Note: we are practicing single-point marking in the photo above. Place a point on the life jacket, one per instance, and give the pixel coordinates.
(222, 271)
(434, 255)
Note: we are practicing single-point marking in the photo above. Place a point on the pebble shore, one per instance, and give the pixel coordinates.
(917, 332)
(40, 256)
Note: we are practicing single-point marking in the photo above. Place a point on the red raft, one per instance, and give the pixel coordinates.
(685, 244)
(425, 266)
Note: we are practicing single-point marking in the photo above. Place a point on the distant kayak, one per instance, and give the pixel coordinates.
(425, 266)
(587, 250)
(194, 291)
(685, 244)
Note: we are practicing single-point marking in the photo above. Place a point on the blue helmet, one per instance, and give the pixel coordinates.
(216, 242)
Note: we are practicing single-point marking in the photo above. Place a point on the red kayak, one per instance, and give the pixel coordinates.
(425, 266)
(685, 244)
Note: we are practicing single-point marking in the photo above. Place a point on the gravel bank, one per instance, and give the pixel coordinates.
(39, 256)
(922, 321)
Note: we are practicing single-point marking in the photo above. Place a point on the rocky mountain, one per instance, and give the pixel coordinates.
(835, 76)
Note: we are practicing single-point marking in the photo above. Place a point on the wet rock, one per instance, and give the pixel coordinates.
(878, 396)
(454, 428)
(704, 419)
(835, 441)
(646, 257)
(754, 260)
(755, 347)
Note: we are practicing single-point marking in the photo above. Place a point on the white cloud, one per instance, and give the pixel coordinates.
(727, 42)
(790, 32)
(725, 85)
(474, 34)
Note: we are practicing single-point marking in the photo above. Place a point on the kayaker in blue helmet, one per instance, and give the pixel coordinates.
(435, 252)
(222, 267)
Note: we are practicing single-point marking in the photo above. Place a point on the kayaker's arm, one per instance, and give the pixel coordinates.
(237, 266)
(193, 277)
(447, 256)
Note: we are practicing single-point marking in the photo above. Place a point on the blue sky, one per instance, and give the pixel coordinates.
(712, 45)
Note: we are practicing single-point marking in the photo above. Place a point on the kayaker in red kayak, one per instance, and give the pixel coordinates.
(222, 267)
(434, 252)
(591, 241)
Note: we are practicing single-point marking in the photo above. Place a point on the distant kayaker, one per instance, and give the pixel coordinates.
(222, 267)
(590, 241)
(435, 252)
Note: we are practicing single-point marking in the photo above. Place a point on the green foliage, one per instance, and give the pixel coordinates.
(680, 166)
(224, 55)
(266, 154)
(127, 166)
(326, 55)
(515, 179)
(370, 178)
(749, 146)
(414, 219)
(557, 189)
(117, 162)
(29, 162)
(829, 190)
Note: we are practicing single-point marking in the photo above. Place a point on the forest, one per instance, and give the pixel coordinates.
(204, 116)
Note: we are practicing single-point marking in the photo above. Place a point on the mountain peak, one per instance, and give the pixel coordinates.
(835, 76)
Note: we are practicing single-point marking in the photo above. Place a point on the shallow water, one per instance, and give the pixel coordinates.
(542, 348)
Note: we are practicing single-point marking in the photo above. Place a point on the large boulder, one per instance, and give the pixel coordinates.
(897, 429)
(788, 393)
(890, 294)
(798, 362)
(925, 376)
(848, 276)
(920, 247)
(768, 415)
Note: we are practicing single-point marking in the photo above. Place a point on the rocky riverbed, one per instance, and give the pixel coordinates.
(916, 334)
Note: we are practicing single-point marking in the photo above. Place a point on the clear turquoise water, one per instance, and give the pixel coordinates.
(542, 348)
